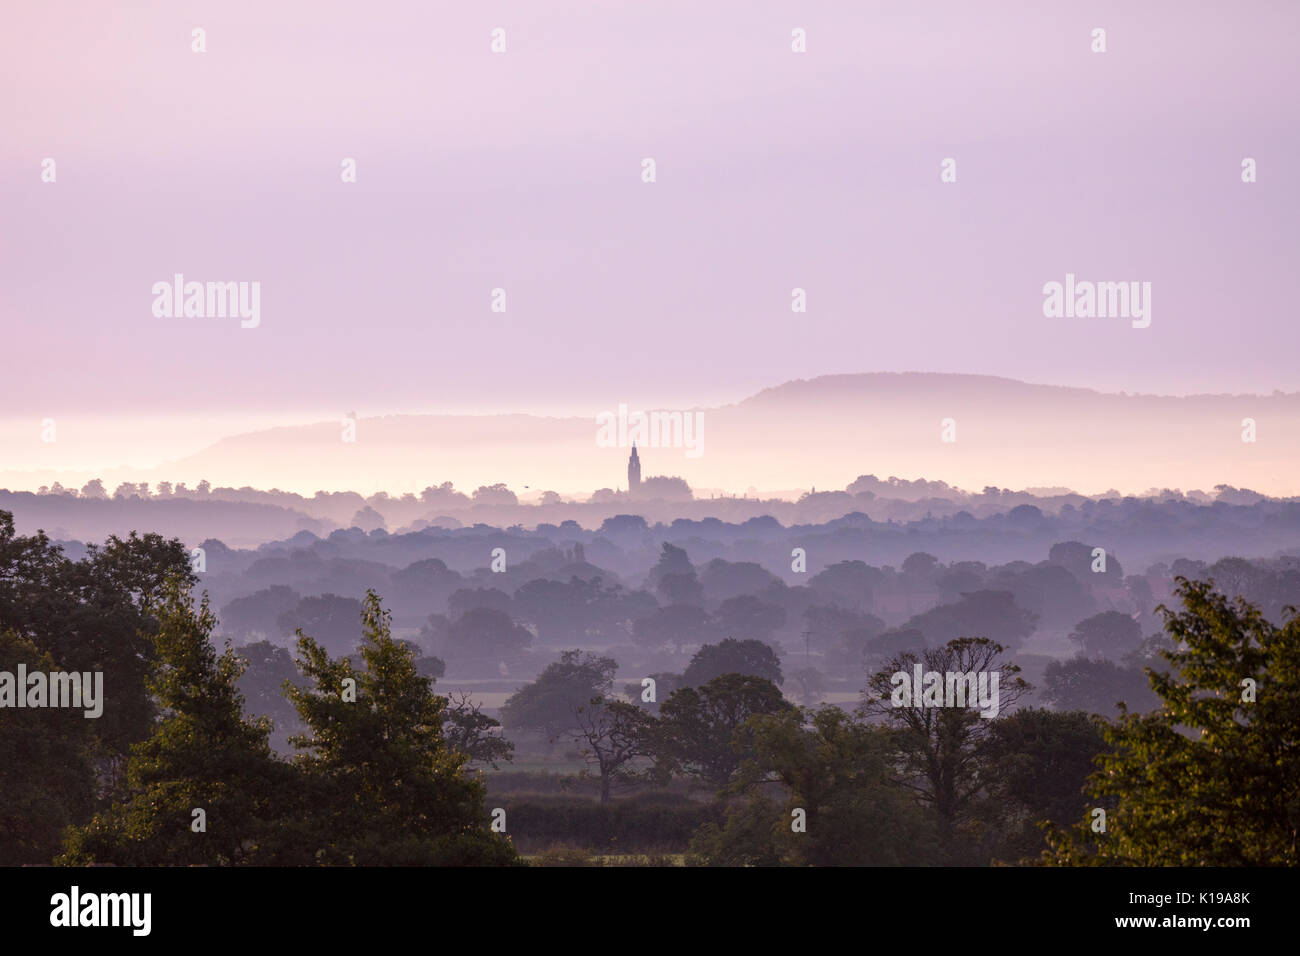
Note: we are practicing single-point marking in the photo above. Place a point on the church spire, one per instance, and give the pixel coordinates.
(633, 471)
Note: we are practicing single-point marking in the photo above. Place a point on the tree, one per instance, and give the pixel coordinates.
(921, 565)
(1040, 762)
(991, 614)
(848, 584)
(204, 754)
(665, 487)
(941, 751)
(612, 733)
(367, 519)
(464, 600)
(672, 560)
(266, 668)
(470, 731)
(1097, 687)
(1053, 596)
(731, 656)
(549, 702)
(1109, 634)
(727, 579)
(258, 614)
(483, 636)
(1076, 557)
(91, 614)
(697, 734)
(384, 785)
(93, 489)
(835, 770)
(680, 589)
(1210, 778)
(497, 494)
(676, 624)
(46, 775)
(331, 618)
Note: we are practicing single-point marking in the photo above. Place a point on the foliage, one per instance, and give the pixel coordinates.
(203, 754)
(385, 787)
(1211, 778)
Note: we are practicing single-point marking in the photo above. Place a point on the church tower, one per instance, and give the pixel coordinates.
(633, 472)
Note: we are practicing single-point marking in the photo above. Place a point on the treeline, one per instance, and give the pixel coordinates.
(176, 771)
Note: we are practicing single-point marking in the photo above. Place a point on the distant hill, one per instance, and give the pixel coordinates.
(821, 432)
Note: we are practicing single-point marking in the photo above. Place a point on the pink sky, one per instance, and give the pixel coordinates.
(521, 170)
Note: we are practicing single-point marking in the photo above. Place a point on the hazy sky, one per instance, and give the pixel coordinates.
(522, 170)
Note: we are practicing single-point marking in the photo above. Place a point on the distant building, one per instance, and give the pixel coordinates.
(633, 472)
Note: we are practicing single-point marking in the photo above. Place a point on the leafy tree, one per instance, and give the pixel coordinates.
(561, 611)
(921, 565)
(92, 614)
(941, 752)
(612, 733)
(470, 731)
(1049, 592)
(848, 584)
(1039, 763)
(1097, 687)
(731, 656)
(1109, 634)
(46, 775)
(549, 702)
(497, 494)
(672, 560)
(723, 579)
(676, 624)
(384, 785)
(665, 684)
(483, 636)
(681, 589)
(1076, 557)
(837, 771)
(990, 614)
(697, 734)
(753, 834)
(266, 668)
(258, 614)
(1210, 778)
(465, 600)
(203, 754)
(891, 643)
(331, 617)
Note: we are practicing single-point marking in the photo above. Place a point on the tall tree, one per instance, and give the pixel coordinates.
(204, 755)
(549, 702)
(385, 786)
(46, 776)
(841, 809)
(942, 752)
(698, 731)
(612, 734)
(731, 656)
(1212, 777)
